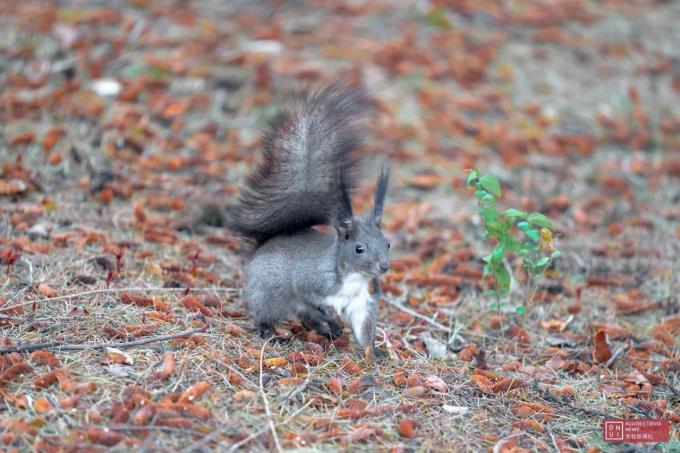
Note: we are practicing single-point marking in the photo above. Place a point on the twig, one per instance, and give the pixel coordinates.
(434, 323)
(11, 318)
(266, 403)
(172, 429)
(388, 345)
(218, 289)
(15, 295)
(56, 346)
(637, 410)
(245, 440)
(554, 441)
(201, 442)
(564, 402)
(235, 371)
(617, 352)
(297, 390)
(673, 390)
(441, 327)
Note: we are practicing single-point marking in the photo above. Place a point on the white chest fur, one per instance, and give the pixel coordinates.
(352, 296)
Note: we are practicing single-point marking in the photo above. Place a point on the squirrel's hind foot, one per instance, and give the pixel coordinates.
(267, 332)
(318, 325)
(336, 328)
(317, 318)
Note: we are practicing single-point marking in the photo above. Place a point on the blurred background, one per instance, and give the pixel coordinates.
(573, 104)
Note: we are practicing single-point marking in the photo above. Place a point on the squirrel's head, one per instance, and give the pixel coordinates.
(362, 247)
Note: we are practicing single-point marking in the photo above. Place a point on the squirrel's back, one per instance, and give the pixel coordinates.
(307, 161)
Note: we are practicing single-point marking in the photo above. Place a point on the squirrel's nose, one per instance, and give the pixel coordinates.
(384, 267)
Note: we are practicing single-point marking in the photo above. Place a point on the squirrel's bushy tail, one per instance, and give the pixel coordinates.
(307, 165)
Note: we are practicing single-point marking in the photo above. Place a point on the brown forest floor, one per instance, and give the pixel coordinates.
(574, 105)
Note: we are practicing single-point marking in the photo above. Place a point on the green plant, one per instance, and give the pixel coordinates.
(528, 236)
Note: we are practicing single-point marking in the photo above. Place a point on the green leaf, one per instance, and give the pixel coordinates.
(494, 228)
(555, 254)
(521, 310)
(511, 244)
(543, 261)
(491, 183)
(498, 254)
(480, 193)
(523, 252)
(133, 70)
(514, 213)
(489, 214)
(472, 176)
(533, 235)
(503, 280)
(490, 293)
(159, 71)
(538, 219)
(523, 225)
(488, 197)
(437, 17)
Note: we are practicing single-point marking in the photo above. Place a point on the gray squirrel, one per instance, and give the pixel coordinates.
(305, 179)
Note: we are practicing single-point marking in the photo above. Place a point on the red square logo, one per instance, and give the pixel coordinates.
(613, 431)
(640, 430)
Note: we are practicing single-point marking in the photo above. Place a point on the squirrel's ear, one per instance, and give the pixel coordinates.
(344, 222)
(345, 229)
(380, 192)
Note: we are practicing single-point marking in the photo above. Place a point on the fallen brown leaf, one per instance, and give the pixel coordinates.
(601, 351)
(407, 428)
(167, 366)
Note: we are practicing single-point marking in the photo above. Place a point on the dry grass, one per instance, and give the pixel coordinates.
(296, 408)
(135, 173)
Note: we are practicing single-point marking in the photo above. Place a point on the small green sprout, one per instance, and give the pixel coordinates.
(528, 236)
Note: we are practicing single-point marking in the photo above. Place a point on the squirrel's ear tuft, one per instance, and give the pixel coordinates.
(380, 192)
(344, 221)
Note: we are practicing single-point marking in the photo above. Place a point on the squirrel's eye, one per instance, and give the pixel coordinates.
(389, 245)
(359, 248)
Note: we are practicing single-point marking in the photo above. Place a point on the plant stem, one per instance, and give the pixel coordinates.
(530, 281)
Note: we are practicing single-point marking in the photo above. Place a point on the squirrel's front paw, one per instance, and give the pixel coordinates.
(379, 356)
(371, 355)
